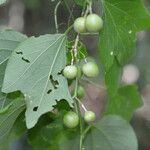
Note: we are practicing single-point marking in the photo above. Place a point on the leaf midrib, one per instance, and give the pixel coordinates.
(51, 70)
(4, 89)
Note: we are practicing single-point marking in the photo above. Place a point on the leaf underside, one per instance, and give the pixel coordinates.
(9, 40)
(35, 69)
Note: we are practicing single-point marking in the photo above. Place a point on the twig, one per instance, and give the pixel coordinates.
(81, 104)
(55, 16)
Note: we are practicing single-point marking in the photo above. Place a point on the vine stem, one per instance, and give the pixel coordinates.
(77, 108)
(69, 29)
(81, 128)
(75, 47)
(75, 50)
(75, 94)
(76, 100)
(55, 16)
(81, 104)
(83, 135)
(85, 131)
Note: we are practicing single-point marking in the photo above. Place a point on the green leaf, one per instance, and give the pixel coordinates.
(35, 138)
(112, 78)
(8, 119)
(17, 132)
(82, 51)
(50, 133)
(54, 135)
(80, 2)
(9, 40)
(111, 133)
(125, 102)
(121, 21)
(35, 69)
(60, 138)
(3, 97)
(118, 39)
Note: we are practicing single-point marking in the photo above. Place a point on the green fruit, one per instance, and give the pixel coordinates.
(71, 119)
(79, 74)
(80, 92)
(79, 25)
(70, 72)
(93, 23)
(89, 116)
(90, 69)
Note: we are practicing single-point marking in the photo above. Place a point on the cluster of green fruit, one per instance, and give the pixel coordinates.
(90, 69)
(90, 23)
(71, 119)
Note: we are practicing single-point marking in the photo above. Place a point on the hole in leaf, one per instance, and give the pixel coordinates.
(35, 108)
(19, 52)
(60, 73)
(54, 82)
(49, 91)
(26, 60)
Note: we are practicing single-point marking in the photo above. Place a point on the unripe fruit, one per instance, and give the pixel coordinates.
(89, 116)
(93, 23)
(71, 119)
(70, 72)
(80, 92)
(79, 74)
(90, 69)
(79, 25)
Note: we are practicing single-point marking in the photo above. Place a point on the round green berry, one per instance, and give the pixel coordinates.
(80, 92)
(90, 69)
(70, 72)
(93, 23)
(71, 119)
(89, 116)
(79, 25)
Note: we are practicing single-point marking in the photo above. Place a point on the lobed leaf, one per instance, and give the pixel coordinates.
(35, 69)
